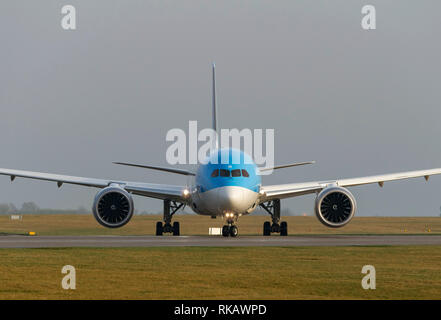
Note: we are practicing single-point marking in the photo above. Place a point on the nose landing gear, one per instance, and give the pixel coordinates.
(273, 209)
(230, 229)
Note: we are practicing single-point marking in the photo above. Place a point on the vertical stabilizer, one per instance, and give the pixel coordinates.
(214, 111)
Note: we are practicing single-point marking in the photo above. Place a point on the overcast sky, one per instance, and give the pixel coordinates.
(358, 102)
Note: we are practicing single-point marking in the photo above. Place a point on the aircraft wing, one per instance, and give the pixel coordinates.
(159, 191)
(281, 191)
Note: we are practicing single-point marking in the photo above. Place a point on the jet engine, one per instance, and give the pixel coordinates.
(113, 207)
(335, 206)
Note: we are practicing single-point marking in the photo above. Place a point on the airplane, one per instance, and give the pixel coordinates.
(227, 190)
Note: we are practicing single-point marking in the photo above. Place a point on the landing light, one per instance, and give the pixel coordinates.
(185, 193)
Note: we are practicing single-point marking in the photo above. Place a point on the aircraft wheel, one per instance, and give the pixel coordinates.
(159, 228)
(176, 230)
(284, 228)
(266, 228)
(234, 231)
(225, 231)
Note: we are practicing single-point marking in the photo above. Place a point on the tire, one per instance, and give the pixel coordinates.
(234, 231)
(266, 228)
(176, 231)
(284, 229)
(159, 228)
(225, 231)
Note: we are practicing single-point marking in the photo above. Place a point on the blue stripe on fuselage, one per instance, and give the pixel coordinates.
(235, 159)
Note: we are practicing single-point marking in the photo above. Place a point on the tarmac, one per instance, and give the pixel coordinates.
(22, 241)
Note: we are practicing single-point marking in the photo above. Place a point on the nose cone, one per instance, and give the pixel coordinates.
(230, 198)
(235, 199)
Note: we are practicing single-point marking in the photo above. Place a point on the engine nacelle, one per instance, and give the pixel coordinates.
(113, 207)
(335, 206)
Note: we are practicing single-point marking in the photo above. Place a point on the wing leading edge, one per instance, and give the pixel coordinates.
(159, 191)
(297, 189)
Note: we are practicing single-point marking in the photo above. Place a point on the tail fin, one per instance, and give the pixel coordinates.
(214, 110)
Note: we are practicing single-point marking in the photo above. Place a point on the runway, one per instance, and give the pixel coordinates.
(18, 241)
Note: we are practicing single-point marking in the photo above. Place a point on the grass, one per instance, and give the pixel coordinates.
(198, 225)
(405, 272)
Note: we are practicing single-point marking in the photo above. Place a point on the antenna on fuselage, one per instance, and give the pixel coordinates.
(214, 109)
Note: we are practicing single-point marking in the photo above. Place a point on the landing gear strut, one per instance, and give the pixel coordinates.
(170, 208)
(273, 209)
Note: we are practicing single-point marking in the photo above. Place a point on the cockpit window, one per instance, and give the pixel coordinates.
(235, 173)
(228, 173)
(224, 173)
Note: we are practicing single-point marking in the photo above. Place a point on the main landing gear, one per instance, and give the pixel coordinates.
(273, 209)
(170, 208)
(230, 229)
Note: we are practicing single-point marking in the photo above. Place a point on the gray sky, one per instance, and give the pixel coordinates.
(359, 102)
